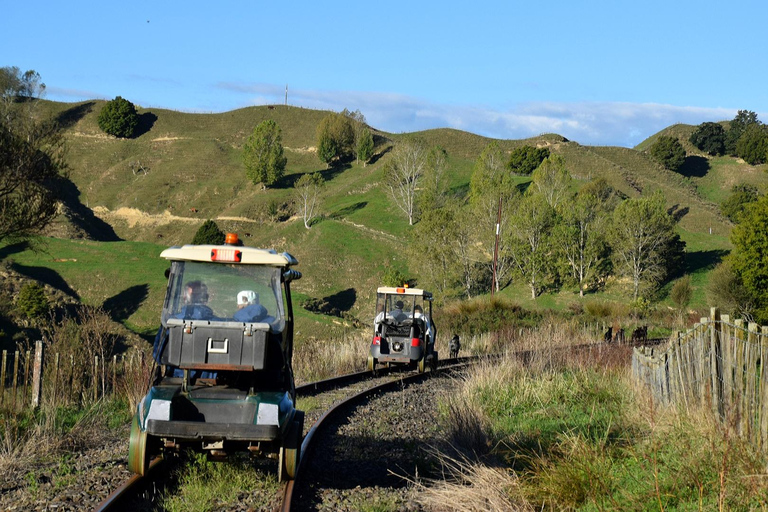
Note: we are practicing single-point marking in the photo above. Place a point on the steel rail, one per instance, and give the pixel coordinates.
(308, 444)
(114, 500)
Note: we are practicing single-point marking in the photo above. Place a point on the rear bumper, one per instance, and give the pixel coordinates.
(196, 430)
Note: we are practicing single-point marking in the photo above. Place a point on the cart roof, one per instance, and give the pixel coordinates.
(404, 291)
(229, 254)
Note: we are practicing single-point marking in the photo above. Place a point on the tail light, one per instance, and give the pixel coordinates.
(377, 340)
(414, 342)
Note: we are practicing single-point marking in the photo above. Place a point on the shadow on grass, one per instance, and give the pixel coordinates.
(83, 217)
(47, 276)
(704, 260)
(678, 213)
(11, 249)
(375, 157)
(146, 122)
(694, 167)
(121, 306)
(348, 210)
(71, 116)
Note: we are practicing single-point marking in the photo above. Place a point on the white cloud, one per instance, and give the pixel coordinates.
(592, 123)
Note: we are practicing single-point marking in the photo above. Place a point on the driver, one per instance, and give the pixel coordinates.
(195, 300)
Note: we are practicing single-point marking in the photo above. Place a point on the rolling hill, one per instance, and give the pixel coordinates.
(181, 169)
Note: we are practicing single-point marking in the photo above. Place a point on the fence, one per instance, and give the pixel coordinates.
(717, 364)
(30, 377)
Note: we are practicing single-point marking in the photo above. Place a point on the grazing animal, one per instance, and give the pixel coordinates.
(619, 338)
(608, 336)
(640, 334)
(455, 346)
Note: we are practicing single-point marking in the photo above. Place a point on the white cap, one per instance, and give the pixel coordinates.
(247, 297)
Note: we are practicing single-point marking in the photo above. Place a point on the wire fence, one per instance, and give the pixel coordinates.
(717, 364)
(30, 377)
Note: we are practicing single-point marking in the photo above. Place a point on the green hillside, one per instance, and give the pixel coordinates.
(156, 189)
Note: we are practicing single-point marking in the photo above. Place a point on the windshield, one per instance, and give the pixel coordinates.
(235, 293)
(398, 307)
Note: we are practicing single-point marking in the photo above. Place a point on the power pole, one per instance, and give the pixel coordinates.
(286, 95)
(496, 248)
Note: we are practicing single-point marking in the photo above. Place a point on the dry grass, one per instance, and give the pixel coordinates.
(320, 359)
(470, 486)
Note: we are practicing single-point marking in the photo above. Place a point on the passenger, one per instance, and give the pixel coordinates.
(195, 300)
(248, 307)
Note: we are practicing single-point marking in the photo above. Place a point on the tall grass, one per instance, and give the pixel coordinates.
(568, 425)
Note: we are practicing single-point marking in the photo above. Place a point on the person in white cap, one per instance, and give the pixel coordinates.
(248, 307)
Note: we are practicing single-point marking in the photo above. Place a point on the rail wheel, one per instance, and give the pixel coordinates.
(371, 363)
(290, 450)
(138, 451)
(422, 364)
(433, 361)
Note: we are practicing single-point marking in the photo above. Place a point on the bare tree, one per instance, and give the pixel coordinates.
(552, 180)
(403, 173)
(307, 196)
(530, 240)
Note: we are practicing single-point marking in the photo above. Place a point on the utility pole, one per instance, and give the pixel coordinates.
(496, 248)
(286, 95)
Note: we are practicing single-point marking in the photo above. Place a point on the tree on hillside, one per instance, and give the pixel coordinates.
(118, 117)
(741, 195)
(552, 180)
(530, 240)
(433, 186)
(263, 154)
(434, 259)
(307, 196)
(16, 86)
(365, 146)
(668, 152)
(357, 120)
(335, 138)
(749, 257)
(403, 173)
(208, 234)
(738, 125)
(752, 146)
(580, 237)
(525, 159)
(710, 138)
(639, 234)
(31, 168)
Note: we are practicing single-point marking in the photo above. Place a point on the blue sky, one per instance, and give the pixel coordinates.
(596, 72)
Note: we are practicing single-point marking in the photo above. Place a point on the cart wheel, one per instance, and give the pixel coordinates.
(290, 450)
(433, 363)
(138, 452)
(371, 363)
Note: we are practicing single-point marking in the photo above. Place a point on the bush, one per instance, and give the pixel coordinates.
(668, 152)
(32, 302)
(209, 233)
(752, 146)
(524, 160)
(710, 138)
(118, 117)
(393, 277)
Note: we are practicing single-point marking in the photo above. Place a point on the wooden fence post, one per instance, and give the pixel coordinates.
(15, 376)
(27, 369)
(37, 374)
(763, 424)
(55, 376)
(95, 378)
(715, 358)
(738, 368)
(750, 367)
(2, 377)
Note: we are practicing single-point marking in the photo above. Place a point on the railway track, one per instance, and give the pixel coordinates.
(342, 392)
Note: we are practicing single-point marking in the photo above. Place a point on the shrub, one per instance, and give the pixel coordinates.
(710, 138)
(118, 117)
(668, 152)
(393, 277)
(524, 160)
(209, 233)
(32, 302)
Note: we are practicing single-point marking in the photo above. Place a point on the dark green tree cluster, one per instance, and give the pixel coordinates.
(710, 138)
(525, 159)
(746, 137)
(118, 117)
(668, 152)
(209, 234)
(263, 154)
(335, 138)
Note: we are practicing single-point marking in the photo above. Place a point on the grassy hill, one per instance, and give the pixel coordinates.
(156, 189)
